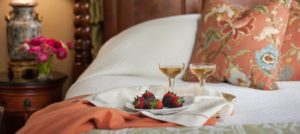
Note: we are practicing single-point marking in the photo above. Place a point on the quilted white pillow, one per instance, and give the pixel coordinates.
(138, 50)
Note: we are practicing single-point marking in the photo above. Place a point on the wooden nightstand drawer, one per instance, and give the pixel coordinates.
(22, 102)
(22, 98)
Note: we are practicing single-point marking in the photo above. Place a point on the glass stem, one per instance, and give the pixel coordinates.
(202, 85)
(171, 83)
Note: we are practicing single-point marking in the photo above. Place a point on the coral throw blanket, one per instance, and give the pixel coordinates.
(77, 116)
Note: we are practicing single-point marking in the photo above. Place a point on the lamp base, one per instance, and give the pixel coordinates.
(23, 70)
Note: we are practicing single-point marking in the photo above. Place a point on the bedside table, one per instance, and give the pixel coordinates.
(22, 98)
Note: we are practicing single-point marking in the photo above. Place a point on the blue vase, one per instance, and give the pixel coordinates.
(22, 23)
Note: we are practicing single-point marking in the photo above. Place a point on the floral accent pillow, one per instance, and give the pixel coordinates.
(290, 51)
(244, 44)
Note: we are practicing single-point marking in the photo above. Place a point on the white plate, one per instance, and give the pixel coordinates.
(188, 101)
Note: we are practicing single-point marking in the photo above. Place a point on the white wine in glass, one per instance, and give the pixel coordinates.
(202, 71)
(171, 70)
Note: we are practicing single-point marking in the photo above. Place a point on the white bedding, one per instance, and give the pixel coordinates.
(131, 58)
(252, 106)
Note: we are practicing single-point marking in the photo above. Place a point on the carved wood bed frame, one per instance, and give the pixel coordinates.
(119, 15)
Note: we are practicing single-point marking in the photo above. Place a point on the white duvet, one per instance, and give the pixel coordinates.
(130, 59)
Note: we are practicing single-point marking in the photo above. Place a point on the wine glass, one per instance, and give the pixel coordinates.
(171, 70)
(202, 71)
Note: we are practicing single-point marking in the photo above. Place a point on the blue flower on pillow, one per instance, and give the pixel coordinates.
(286, 73)
(238, 78)
(267, 58)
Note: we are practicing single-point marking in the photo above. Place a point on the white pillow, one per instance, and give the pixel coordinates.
(138, 50)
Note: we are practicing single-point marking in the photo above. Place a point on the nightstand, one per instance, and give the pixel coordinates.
(22, 98)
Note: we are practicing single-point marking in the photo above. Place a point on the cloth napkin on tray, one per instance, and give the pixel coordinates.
(206, 106)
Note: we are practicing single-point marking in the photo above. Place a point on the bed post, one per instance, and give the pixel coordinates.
(83, 45)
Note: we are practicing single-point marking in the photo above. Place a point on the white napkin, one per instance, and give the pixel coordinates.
(206, 106)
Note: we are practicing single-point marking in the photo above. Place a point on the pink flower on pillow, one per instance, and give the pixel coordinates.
(239, 27)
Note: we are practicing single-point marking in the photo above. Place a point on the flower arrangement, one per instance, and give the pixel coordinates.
(45, 49)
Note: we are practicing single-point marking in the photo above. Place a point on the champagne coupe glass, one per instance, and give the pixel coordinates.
(171, 70)
(202, 71)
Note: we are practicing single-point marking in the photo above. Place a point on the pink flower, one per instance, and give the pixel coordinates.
(43, 48)
(54, 45)
(37, 41)
(50, 41)
(42, 57)
(70, 45)
(25, 47)
(34, 49)
(62, 53)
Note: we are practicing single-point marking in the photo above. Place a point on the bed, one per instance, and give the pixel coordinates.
(130, 58)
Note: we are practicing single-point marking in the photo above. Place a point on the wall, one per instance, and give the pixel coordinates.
(57, 23)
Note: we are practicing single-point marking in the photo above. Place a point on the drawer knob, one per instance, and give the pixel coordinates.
(27, 105)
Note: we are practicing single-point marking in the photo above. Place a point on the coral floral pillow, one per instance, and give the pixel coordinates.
(244, 44)
(290, 52)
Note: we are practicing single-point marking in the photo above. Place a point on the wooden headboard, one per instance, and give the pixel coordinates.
(119, 15)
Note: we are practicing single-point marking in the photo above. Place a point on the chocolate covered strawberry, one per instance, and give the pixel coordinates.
(139, 102)
(155, 104)
(148, 96)
(177, 102)
(167, 99)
